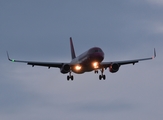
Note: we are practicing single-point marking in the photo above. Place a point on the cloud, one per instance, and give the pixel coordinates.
(103, 107)
(155, 2)
(158, 28)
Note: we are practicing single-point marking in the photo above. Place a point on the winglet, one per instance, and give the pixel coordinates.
(9, 57)
(154, 54)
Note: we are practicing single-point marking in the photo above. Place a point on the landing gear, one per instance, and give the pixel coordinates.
(96, 71)
(102, 76)
(70, 77)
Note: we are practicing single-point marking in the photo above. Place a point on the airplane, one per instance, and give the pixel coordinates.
(91, 60)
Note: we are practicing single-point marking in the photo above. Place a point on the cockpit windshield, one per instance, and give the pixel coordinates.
(95, 50)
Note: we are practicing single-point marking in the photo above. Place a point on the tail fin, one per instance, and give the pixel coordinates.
(72, 49)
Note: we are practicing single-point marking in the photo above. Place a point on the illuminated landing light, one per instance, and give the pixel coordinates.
(95, 65)
(78, 67)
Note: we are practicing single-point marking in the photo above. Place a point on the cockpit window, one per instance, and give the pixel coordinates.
(99, 50)
(96, 50)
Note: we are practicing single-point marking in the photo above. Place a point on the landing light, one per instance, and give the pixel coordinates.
(78, 67)
(95, 65)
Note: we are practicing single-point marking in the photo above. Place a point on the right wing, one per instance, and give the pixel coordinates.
(125, 62)
(45, 64)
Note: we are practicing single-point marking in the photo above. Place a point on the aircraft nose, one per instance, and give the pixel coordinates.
(98, 56)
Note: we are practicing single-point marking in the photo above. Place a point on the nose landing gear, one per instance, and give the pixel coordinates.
(96, 71)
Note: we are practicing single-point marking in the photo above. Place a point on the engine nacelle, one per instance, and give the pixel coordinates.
(114, 67)
(65, 68)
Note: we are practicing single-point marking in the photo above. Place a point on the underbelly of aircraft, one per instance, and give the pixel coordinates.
(84, 69)
(87, 65)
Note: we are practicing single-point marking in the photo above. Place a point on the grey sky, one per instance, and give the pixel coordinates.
(40, 30)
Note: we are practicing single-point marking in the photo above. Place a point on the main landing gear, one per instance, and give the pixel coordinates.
(70, 77)
(102, 76)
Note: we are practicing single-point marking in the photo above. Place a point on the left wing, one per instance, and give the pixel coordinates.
(45, 64)
(108, 64)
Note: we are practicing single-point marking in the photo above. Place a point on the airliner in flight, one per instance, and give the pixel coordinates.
(91, 60)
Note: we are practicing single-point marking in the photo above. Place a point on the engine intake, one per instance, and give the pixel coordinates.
(114, 67)
(65, 68)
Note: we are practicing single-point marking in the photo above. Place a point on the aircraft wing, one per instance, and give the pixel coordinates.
(45, 64)
(108, 64)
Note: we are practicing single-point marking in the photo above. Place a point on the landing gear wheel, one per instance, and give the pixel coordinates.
(100, 77)
(72, 78)
(104, 77)
(96, 71)
(68, 77)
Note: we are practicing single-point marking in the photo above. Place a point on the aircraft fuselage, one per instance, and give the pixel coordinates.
(88, 61)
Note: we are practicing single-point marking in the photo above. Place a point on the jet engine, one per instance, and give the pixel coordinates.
(65, 68)
(114, 67)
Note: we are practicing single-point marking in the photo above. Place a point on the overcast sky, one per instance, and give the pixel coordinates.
(39, 30)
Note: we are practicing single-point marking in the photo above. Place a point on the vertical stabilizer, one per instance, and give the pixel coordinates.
(72, 49)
